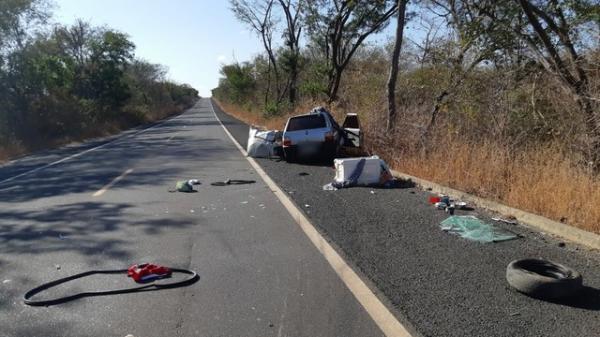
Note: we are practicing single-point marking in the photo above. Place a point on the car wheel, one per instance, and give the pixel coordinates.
(289, 156)
(543, 279)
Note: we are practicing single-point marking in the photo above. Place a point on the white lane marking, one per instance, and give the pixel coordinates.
(84, 152)
(168, 140)
(384, 319)
(109, 185)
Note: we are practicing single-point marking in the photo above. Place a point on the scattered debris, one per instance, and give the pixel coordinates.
(471, 228)
(192, 211)
(365, 171)
(306, 205)
(61, 236)
(6, 281)
(57, 266)
(440, 205)
(434, 200)
(461, 204)
(186, 186)
(508, 221)
(561, 244)
(372, 192)
(233, 182)
(263, 144)
(271, 325)
(243, 202)
(303, 174)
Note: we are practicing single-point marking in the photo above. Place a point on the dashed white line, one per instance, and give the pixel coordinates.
(109, 185)
(84, 152)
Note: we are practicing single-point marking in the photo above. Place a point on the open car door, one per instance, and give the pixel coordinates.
(351, 127)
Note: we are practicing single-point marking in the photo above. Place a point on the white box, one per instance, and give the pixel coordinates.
(370, 175)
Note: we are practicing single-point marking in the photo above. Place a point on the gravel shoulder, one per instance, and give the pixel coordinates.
(442, 284)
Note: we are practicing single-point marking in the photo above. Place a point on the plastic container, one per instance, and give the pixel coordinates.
(370, 175)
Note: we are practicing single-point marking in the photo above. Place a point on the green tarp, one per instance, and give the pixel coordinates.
(470, 227)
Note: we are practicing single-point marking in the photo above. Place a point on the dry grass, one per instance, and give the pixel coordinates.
(540, 180)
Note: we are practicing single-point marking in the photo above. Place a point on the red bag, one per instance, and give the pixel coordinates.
(146, 272)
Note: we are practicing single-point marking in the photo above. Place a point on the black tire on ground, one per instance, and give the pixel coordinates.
(543, 279)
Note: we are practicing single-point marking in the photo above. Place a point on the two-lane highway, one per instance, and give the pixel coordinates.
(110, 207)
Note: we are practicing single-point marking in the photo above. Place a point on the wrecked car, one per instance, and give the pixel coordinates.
(317, 135)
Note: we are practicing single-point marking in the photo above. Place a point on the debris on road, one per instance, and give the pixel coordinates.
(472, 228)
(365, 171)
(443, 202)
(232, 182)
(186, 186)
(302, 174)
(543, 279)
(263, 144)
(510, 221)
(142, 273)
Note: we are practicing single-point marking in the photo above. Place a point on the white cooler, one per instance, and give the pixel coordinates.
(370, 175)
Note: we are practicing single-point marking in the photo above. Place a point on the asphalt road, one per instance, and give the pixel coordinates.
(260, 275)
(442, 284)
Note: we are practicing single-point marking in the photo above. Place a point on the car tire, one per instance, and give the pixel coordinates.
(543, 279)
(290, 156)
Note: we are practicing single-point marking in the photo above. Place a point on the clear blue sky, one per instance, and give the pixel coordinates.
(191, 37)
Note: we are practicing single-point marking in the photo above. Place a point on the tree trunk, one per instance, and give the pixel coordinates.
(391, 85)
(334, 85)
(293, 81)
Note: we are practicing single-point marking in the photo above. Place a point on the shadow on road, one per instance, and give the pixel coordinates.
(90, 172)
(588, 298)
(78, 227)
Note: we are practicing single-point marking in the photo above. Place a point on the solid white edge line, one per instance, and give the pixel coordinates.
(380, 314)
(110, 184)
(84, 152)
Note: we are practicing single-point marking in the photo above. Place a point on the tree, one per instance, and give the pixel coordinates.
(391, 84)
(18, 18)
(237, 82)
(477, 38)
(292, 12)
(551, 36)
(339, 27)
(111, 53)
(258, 15)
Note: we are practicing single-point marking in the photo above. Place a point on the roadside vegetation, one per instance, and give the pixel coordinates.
(496, 98)
(66, 83)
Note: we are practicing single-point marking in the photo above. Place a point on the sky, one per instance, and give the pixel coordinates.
(192, 38)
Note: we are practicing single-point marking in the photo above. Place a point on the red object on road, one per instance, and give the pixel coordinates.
(147, 272)
(433, 200)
